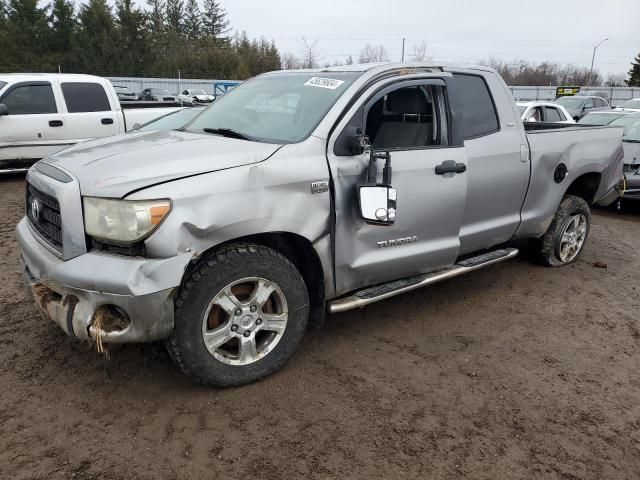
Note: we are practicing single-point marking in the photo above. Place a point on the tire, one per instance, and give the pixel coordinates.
(239, 294)
(559, 246)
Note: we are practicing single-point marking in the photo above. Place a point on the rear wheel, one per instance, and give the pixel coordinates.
(567, 234)
(240, 314)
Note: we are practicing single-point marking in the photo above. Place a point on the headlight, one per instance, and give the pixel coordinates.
(123, 221)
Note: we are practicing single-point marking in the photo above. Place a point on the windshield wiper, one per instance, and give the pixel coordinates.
(633, 140)
(229, 132)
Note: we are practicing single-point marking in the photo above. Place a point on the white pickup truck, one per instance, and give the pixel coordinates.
(41, 114)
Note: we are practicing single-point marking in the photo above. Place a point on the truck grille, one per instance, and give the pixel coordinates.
(43, 212)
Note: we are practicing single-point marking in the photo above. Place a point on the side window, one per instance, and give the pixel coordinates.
(30, 100)
(406, 118)
(186, 92)
(588, 103)
(534, 115)
(552, 114)
(85, 97)
(474, 99)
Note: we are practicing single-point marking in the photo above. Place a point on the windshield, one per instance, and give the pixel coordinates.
(570, 102)
(160, 91)
(171, 121)
(279, 108)
(635, 103)
(598, 118)
(631, 124)
(198, 92)
(2, 84)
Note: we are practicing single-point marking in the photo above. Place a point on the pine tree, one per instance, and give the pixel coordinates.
(156, 16)
(215, 24)
(174, 15)
(192, 20)
(27, 31)
(634, 73)
(95, 45)
(62, 25)
(132, 38)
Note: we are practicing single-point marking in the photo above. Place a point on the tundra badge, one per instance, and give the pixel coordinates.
(397, 241)
(320, 187)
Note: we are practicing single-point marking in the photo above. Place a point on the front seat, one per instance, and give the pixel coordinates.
(410, 105)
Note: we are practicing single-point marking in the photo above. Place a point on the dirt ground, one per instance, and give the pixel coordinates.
(515, 371)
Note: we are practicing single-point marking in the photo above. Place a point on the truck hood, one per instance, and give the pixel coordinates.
(115, 166)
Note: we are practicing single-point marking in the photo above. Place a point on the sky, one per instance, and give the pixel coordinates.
(563, 31)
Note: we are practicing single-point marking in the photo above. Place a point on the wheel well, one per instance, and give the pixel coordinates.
(585, 186)
(301, 253)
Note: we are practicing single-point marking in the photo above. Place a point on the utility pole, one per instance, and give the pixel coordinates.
(593, 57)
(403, 39)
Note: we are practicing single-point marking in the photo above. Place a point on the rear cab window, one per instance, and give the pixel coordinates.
(84, 97)
(473, 97)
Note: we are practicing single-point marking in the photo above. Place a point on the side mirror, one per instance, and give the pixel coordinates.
(378, 200)
(378, 204)
(3, 110)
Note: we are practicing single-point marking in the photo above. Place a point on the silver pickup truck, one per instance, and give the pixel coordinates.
(297, 193)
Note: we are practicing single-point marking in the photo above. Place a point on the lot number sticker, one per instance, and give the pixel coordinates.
(321, 82)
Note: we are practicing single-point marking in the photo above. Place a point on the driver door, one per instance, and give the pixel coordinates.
(410, 120)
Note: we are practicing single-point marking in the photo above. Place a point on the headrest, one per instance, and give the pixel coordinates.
(407, 101)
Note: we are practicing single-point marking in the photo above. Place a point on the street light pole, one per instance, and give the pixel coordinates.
(593, 57)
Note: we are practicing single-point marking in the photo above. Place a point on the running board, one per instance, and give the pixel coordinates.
(387, 290)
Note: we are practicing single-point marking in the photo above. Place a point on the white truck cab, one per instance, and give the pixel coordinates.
(41, 114)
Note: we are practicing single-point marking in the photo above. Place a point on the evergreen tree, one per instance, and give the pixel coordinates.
(192, 20)
(95, 47)
(156, 16)
(62, 26)
(174, 15)
(215, 24)
(27, 31)
(634, 73)
(132, 38)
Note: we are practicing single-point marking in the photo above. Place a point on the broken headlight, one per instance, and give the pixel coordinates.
(123, 222)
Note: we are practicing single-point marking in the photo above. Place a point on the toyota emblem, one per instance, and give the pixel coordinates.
(35, 209)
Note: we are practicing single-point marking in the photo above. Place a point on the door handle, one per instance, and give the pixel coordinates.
(107, 121)
(55, 123)
(450, 166)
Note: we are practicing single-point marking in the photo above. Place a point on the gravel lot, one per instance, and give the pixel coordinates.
(515, 371)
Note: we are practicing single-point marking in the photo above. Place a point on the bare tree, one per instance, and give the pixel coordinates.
(420, 52)
(370, 54)
(521, 72)
(616, 80)
(310, 53)
(289, 61)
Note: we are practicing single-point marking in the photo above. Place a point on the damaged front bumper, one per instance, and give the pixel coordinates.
(73, 292)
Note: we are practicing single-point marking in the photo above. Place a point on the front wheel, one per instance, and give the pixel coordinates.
(240, 314)
(564, 241)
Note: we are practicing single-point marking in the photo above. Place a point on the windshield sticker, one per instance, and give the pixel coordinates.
(329, 83)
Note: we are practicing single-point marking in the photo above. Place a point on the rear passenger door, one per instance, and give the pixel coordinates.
(34, 127)
(498, 163)
(89, 113)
